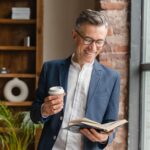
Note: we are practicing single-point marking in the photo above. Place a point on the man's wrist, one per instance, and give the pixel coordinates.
(42, 112)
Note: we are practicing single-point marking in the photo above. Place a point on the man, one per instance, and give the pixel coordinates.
(92, 90)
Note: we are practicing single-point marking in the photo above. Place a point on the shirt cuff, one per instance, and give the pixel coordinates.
(44, 116)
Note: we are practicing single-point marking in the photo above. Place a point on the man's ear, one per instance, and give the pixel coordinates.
(74, 35)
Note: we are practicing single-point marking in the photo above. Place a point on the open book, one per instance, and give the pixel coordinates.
(76, 125)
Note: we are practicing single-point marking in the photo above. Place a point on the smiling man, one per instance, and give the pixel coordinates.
(89, 39)
(92, 90)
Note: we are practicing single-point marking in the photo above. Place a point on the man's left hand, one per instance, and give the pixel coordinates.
(95, 136)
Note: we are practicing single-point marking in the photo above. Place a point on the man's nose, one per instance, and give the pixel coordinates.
(93, 45)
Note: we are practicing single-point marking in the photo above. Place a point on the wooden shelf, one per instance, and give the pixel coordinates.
(17, 21)
(17, 48)
(22, 62)
(13, 75)
(17, 104)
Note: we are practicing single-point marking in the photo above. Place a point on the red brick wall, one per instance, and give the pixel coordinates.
(116, 55)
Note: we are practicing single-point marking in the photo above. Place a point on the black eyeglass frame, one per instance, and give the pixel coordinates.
(89, 40)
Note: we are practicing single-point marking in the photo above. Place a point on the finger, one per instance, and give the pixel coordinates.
(52, 105)
(57, 110)
(54, 111)
(88, 134)
(54, 102)
(49, 98)
(57, 106)
(97, 134)
(100, 136)
(46, 111)
(49, 107)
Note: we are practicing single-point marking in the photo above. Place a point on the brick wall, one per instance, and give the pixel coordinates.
(116, 55)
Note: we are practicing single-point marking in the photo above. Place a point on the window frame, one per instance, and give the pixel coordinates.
(136, 69)
(134, 76)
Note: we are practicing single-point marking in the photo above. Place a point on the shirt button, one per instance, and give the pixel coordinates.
(54, 137)
(61, 118)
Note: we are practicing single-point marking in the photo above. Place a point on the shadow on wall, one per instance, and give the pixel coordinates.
(59, 18)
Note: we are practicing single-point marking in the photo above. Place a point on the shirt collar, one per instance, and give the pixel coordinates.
(86, 65)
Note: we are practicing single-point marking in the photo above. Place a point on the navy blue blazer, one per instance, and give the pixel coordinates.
(102, 102)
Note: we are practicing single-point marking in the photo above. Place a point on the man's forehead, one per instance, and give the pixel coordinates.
(92, 29)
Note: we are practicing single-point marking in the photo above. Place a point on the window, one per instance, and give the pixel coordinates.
(145, 78)
(139, 77)
(145, 111)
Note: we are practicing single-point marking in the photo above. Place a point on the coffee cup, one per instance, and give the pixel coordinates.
(56, 90)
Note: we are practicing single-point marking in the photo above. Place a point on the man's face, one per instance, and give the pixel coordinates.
(89, 41)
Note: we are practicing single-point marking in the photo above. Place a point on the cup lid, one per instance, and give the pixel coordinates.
(56, 90)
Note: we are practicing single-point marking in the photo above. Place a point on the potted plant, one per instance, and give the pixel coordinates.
(17, 130)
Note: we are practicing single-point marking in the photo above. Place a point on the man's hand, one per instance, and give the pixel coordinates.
(95, 136)
(52, 105)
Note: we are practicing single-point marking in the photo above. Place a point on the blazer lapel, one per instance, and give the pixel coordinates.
(95, 79)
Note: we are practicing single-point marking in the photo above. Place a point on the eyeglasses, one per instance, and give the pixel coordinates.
(88, 40)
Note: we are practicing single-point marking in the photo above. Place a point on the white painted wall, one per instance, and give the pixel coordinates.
(59, 18)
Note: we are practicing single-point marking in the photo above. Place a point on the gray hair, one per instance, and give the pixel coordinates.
(91, 17)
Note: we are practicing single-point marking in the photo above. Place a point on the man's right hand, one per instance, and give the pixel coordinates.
(52, 105)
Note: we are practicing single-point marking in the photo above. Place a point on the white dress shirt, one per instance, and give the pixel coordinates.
(77, 91)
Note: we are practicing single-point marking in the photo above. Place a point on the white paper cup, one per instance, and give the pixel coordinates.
(56, 90)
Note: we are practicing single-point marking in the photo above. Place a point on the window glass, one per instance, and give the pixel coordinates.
(145, 122)
(145, 97)
(146, 32)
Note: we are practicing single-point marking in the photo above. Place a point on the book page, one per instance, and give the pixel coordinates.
(87, 123)
(112, 125)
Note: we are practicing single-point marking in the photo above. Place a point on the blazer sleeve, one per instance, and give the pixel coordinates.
(40, 94)
(112, 109)
(111, 113)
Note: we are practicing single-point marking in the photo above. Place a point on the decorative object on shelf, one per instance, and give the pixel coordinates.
(20, 13)
(17, 84)
(4, 70)
(27, 41)
(21, 61)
